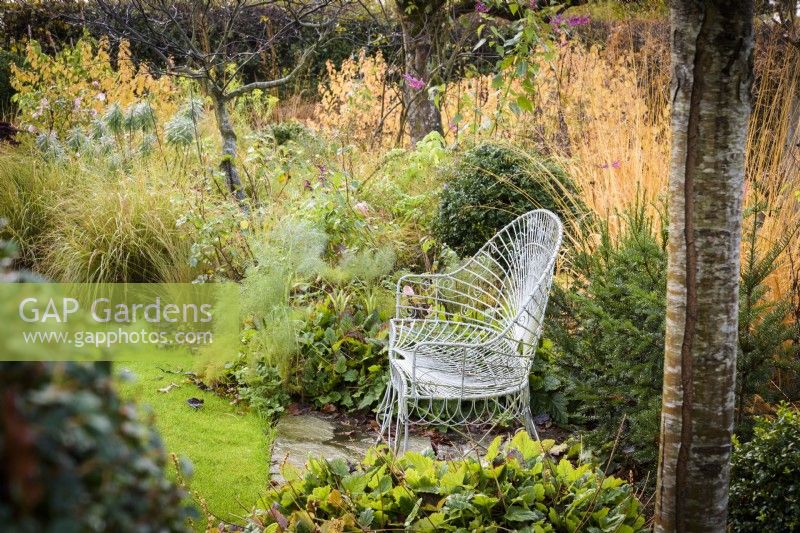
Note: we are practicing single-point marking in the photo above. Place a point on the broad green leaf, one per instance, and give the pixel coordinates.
(612, 482)
(528, 447)
(413, 513)
(493, 450)
(366, 518)
(429, 523)
(454, 477)
(482, 500)
(355, 483)
(524, 104)
(520, 514)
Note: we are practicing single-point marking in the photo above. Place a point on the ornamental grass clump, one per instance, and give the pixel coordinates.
(116, 232)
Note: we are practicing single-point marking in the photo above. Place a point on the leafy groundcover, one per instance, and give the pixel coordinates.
(518, 485)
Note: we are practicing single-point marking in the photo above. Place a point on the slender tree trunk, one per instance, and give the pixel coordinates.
(226, 131)
(712, 45)
(791, 145)
(419, 20)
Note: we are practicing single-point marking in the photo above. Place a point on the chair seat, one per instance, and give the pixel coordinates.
(446, 372)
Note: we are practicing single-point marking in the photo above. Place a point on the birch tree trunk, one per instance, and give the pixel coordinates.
(712, 45)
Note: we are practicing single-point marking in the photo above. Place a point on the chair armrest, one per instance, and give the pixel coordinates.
(416, 282)
(426, 292)
(406, 333)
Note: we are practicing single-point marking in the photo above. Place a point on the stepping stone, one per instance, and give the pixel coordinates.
(304, 436)
(321, 436)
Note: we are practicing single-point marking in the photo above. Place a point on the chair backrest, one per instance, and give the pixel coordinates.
(523, 253)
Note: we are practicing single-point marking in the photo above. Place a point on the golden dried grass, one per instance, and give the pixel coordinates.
(604, 113)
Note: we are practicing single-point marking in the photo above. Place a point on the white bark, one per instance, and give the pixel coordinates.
(712, 74)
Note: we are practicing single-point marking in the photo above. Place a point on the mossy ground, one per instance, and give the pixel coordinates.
(229, 448)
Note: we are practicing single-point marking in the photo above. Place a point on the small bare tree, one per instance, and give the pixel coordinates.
(427, 31)
(214, 41)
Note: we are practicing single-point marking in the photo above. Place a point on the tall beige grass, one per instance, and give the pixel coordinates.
(123, 231)
(603, 111)
(81, 220)
(773, 159)
(608, 118)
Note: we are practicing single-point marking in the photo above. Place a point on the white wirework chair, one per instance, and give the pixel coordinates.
(462, 343)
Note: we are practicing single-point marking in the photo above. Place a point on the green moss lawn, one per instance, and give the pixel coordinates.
(228, 448)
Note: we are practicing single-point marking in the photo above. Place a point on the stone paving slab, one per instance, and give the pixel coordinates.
(320, 436)
(303, 436)
(309, 434)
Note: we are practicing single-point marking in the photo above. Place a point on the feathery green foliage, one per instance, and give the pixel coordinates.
(316, 328)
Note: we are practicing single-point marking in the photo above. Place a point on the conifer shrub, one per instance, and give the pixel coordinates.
(607, 330)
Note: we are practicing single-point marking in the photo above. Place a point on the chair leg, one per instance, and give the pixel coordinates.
(405, 432)
(394, 403)
(385, 414)
(394, 431)
(401, 435)
(527, 414)
(530, 427)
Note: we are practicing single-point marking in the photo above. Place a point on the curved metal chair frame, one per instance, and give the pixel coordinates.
(462, 344)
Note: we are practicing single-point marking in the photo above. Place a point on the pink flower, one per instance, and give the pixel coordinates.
(480, 7)
(533, 4)
(101, 97)
(580, 20)
(577, 20)
(415, 83)
(408, 291)
(362, 207)
(614, 164)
